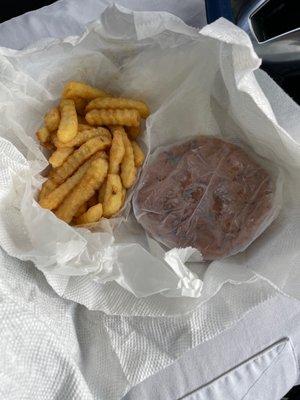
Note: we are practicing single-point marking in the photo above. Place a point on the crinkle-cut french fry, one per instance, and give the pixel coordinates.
(113, 199)
(104, 155)
(81, 210)
(84, 127)
(59, 156)
(91, 180)
(119, 103)
(100, 154)
(102, 190)
(80, 105)
(128, 168)
(47, 187)
(82, 137)
(52, 119)
(93, 200)
(68, 125)
(78, 157)
(57, 195)
(51, 172)
(85, 189)
(43, 135)
(92, 215)
(133, 131)
(138, 154)
(113, 117)
(117, 150)
(78, 89)
(123, 196)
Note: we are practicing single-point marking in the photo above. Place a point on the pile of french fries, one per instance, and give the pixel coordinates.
(95, 155)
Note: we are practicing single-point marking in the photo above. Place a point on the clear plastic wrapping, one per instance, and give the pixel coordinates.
(205, 193)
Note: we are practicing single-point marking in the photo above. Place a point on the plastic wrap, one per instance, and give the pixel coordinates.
(205, 193)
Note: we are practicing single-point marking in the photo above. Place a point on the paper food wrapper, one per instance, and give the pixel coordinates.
(194, 82)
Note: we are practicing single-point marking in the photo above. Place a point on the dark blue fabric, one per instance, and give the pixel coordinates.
(218, 8)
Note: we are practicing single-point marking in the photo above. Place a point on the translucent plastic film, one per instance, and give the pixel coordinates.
(205, 193)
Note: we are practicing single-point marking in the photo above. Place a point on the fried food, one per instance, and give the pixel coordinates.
(84, 127)
(93, 200)
(113, 198)
(102, 190)
(52, 199)
(133, 131)
(68, 125)
(93, 160)
(113, 117)
(43, 135)
(82, 137)
(117, 150)
(128, 169)
(52, 119)
(138, 154)
(123, 196)
(85, 189)
(78, 157)
(81, 210)
(74, 89)
(80, 105)
(47, 187)
(92, 215)
(59, 156)
(118, 103)
(49, 146)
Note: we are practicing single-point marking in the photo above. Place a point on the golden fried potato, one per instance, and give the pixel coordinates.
(49, 146)
(52, 119)
(84, 127)
(95, 160)
(78, 157)
(113, 198)
(119, 103)
(53, 199)
(43, 135)
(68, 125)
(102, 191)
(113, 117)
(93, 200)
(128, 168)
(123, 196)
(59, 156)
(133, 131)
(75, 89)
(80, 105)
(47, 187)
(138, 154)
(117, 150)
(82, 137)
(81, 210)
(92, 215)
(84, 190)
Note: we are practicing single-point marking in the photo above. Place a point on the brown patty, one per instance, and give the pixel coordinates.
(205, 193)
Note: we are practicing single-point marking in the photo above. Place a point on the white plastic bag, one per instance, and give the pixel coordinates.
(193, 83)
